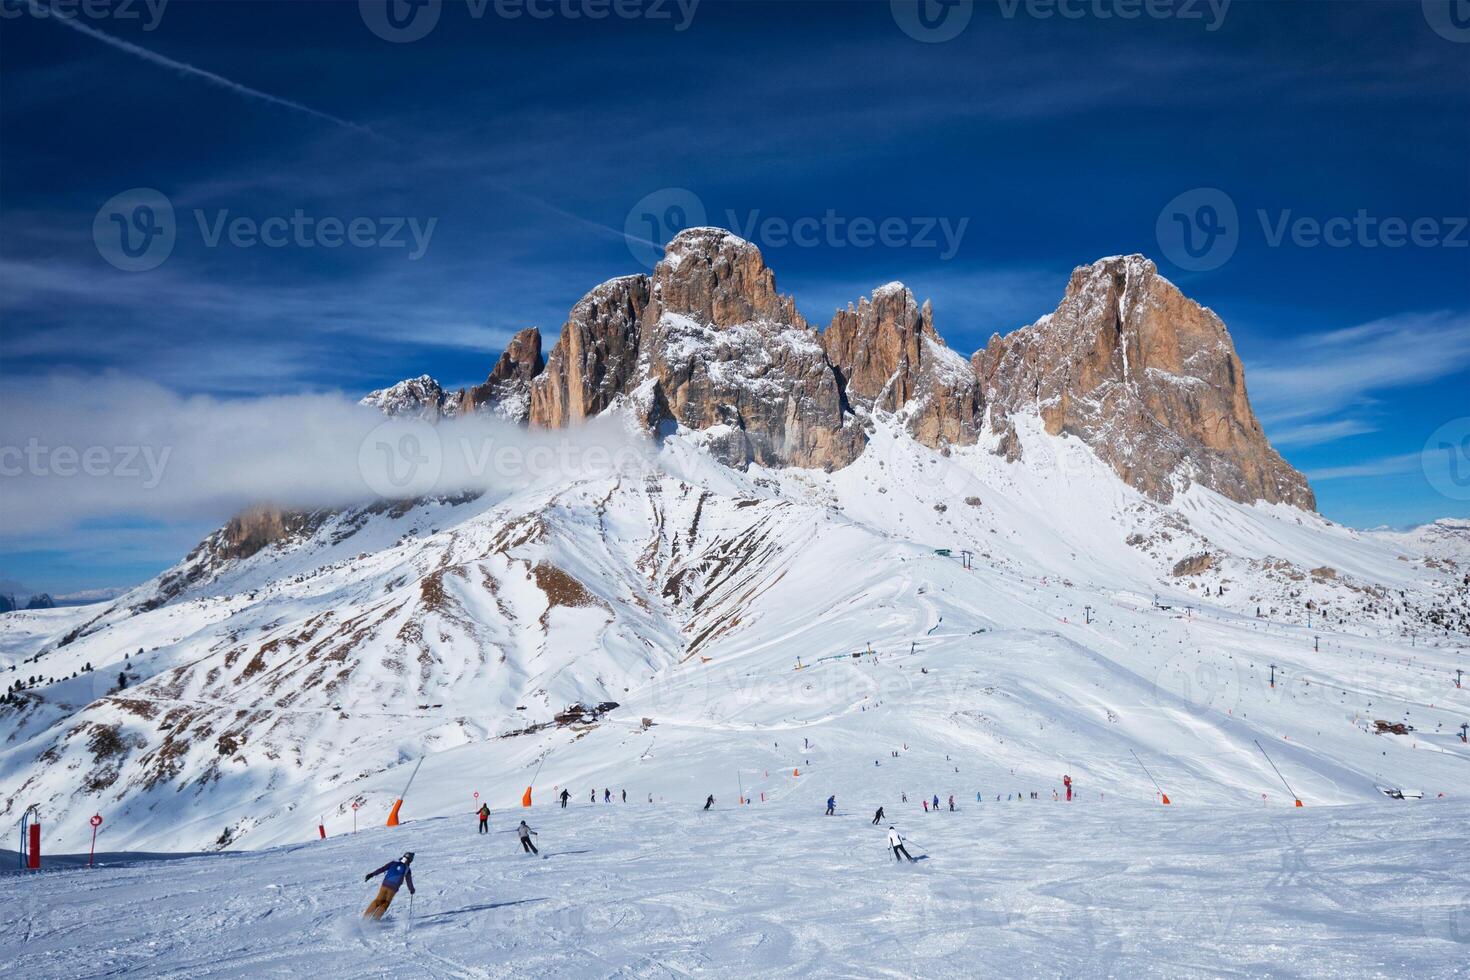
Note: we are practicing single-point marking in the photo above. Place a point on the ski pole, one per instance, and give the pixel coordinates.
(1278, 774)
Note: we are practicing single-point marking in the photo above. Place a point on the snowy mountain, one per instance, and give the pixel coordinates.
(1071, 552)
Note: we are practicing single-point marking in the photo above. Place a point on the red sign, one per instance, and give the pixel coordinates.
(97, 820)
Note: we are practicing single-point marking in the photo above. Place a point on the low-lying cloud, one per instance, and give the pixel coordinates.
(76, 449)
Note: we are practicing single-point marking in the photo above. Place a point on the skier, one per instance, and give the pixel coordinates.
(625, 796)
(395, 874)
(831, 806)
(709, 801)
(1067, 782)
(526, 833)
(593, 797)
(936, 802)
(895, 841)
(878, 817)
(951, 803)
(607, 796)
(905, 797)
(565, 795)
(484, 819)
(926, 805)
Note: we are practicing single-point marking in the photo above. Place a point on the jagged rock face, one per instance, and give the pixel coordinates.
(1148, 378)
(596, 358)
(713, 277)
(725, 352)
(260, 527)
(420, 397)
(889, 357)
(507, 391)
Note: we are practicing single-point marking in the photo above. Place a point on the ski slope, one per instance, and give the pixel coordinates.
(1026, 889)
(743, 614)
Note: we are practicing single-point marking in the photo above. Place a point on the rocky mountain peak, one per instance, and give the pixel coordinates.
(1146, 377)
(890, 358)
(595, 358)
(507, 391)
(420, 397)
(718, 278)
(877, 345)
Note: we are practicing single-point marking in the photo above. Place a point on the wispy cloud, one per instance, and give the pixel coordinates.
(1383, 466)
(1314, 388)
(115, 449)
(1317, 433)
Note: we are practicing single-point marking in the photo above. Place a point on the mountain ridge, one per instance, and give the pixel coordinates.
(1146, 377)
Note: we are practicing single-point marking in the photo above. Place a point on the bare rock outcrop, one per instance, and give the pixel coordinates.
(889, 357)
(1146, 377)
(723, 351)
(507, 391)
(420, 397)
(596, 357)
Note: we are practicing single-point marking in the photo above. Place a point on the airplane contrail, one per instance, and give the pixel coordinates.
(230, 85)
(163, 61)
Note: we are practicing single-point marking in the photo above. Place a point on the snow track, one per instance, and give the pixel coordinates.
(1028, 888)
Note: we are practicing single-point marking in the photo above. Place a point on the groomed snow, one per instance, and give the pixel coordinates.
(1018, 889)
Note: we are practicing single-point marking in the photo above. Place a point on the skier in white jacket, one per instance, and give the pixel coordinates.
(895, 841)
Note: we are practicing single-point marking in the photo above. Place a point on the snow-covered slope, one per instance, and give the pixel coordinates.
(734, 611)
(1024, 889)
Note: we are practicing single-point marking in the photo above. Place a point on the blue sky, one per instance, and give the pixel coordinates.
(522, 149)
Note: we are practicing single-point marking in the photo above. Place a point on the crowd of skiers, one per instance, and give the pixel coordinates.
(397, 873)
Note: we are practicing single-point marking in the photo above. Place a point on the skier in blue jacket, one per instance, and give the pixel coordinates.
(831, 806)
(395, 875)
